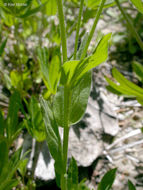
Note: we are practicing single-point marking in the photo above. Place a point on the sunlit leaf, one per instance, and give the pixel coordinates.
(50, 70)
(138, 4)
(72, 71)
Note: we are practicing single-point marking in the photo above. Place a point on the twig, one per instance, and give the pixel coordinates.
(126, 146)
(132, 133)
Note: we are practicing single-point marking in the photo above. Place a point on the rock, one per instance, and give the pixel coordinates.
(85, 143)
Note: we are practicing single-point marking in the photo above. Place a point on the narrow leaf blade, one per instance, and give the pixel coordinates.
(107, 180)
(131, 185)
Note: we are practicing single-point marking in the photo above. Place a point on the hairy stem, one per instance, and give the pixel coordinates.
(67, 98)
(78, 28)
(62, 30)
(99, 11)
(130, 25)
(65, 155)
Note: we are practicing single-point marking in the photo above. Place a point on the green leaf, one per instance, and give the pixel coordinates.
(72, 71)
(36, 127)
(78, 101)
(10, 184)
(12, 118)
(53, 137)
(15, 7)
(82, 185)
(92, 3)
(2, 46)
(125, 87)
(58, 106)
(113, 90)
(23, 167)
(72, 180)
(107, 180)
(131, 185)
(33, 11)
(50, 70)
(138, 4)
(82, 46)
(140, 101)
(126, 84)
(7, 18)
(2, 124)
(118, 89)
(16, 80)
(9, 169)
(3, 155)
(99, 55)
(51, 7)
(138, 69)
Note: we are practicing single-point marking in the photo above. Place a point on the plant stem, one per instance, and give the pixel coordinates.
(65, 155)
(99, 11)
(67, 98)
(62, 30)
(78, 28)
(130, 25)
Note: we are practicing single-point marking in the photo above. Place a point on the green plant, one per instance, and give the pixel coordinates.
(124, 86)
(10, 128)
(69, 92)
(67, 80)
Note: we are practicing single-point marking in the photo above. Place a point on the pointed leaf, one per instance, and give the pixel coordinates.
(33, 11)
(82, 46)
(10, 184)
(12, 118)
(138, 4)
(79, 98)
(72, 180)
(78, 101)
(107, 180)
(138, 69)
(73, 71)
(51, 7)
(2, 46)
(131, 88)
(53, 137)
(9, 170)
(50, 70)
(2, 124)
(23, 167)
(119, 88)
(3, 155)
(131, 185)
(37, 127)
